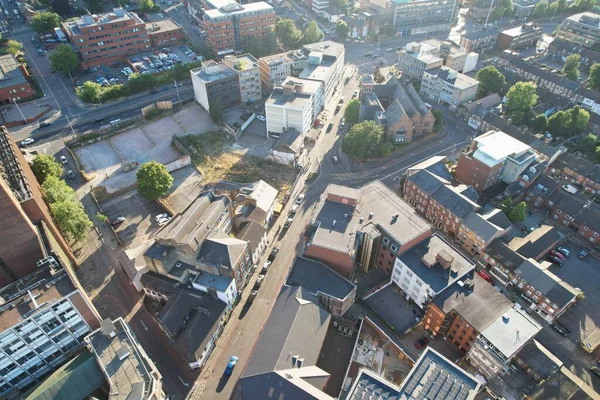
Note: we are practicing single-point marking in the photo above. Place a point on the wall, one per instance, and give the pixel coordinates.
(433, 319)
(342, 263)
(410, 283)
(200, 91)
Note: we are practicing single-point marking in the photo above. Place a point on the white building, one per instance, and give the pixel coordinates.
(276, 68)
(246, 66)
(290, 107)
(447, 86)
(325, 65)
(320, 6)
(222, 286)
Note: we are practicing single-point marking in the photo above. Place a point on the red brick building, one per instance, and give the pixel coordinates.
(13, 81)
(164, 33)
(577, 171)
(578, 215)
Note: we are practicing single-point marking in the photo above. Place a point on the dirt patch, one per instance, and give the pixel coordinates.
(213, 158)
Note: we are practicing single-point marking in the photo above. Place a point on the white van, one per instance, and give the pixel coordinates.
(16, 12)
(115, 121)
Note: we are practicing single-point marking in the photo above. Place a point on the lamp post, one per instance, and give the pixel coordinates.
(489, 12)
(21, 112)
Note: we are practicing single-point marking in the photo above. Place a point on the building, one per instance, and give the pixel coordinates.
(165, 32)
(320, 7)
(399, 110)
(464, 310)
(230, 25)
(520, 37)
(125, 364)
(216, 82)
(255, 202)
(416, 58)
(491, 157)
(246, 66)
(580, 29)
(524, 8)
(455, 57)
(359, 24)
(107, 38)
(537, 243)
(577, 171)
(478, 109)
(14, 85)
(480, 41)
(428, 269)
(423, 16)
(289, 148)
(326, 65)
(43, 321)
(496, 345)
(448, 86)
(539, 193)
(479, 229)
(363, 228)
(335, 293)
(277, 68)
(580, 215)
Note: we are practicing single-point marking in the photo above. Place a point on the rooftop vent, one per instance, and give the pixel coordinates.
(178, 264)
(294, 360)
(122, 353)
(361, 219)
(333, 222)
(505, 318)
(300, 361)
(345, 216)
(371, 215)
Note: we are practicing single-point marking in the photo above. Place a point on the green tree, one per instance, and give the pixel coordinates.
(594, 77)
(521, 97)
(571, 67)
(580, 119)
(540, 123)
(44, 166)
(562, 5)
(45, 22)
(597, 153)
(506, 205)
(141, 82)
(439, 119)
(216, 110)
(288, 34)
(261, 47)
(95, 6)
(61, 7)
(490, 81)
(71, 219)
(101, 217)
(312, 34)
(508, 6)
(352, 112)
(363, 139)
(147, 5)
(64, 59)
(341, 29)
(153, 180)
(518, 213)
(553, 8)
(541, 9)
(90, 92)
(558, 124)
(341, 5)
(56, 190)
(13, 47)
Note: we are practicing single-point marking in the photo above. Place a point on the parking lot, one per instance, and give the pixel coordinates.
(139, 213)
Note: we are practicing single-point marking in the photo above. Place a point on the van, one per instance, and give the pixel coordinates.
(115, 121)
(16, 12)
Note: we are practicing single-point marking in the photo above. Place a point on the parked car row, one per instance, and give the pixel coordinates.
(190, 53)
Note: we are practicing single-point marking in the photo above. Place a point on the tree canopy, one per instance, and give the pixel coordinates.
(541, 8)
(148, 6)
(11, 46)
(45, 22)
(288, 34)
(56, 190)
(216, 110)
(594, 77)
(44, 166)
(363, 139)
(352, 112)
(540, 123)
(61, 7)
(312, 33)
(71, 219)
(490, 81)
(153, 180)
(521, 97)
(571, 67)
(568, 122)
(64, 59)
(341, 29)
(519, 212)
(261, 47)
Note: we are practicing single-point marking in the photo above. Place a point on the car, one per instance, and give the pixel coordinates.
(163, 221)
(583, 254)
(325, 31)
(570, 189)
(99, 120)
(343, 123)
(422, 342)
(559, 329)
(273, 254)
(294, 209)
(117, 221)
(231, 365)
(564, 251)
(355, 94)
(252, 296)
(259, 281)
(375, 55)
(530, 229)
(44, 124)
(41, 52)
(555, 260)
(261, 118)
(300, 198)
(389, 50)
(70, 174)
(595, 370)
(288, 222)
(161, 216)
(368, 54)
(329, 127)
(265, 267)
(334, 159)
(27, 142)
(558, 255)
(64, 160)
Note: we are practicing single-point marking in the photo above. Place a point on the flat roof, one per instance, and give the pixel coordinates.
(211, 71)
(297, 100)
(327, 47)
(319, 72)
(308, 85)
(509, 332)
(233, 8)
(318, 278)
(494, 147)
(118, 14)
(10, 71)
(163, 25)
(520, 30)
(282, 58)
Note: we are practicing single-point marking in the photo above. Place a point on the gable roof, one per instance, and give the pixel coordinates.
(455, 202)
(480, 226)
(426, 181)
(318, 278)
(435, 165)
(504, 255)
(535, 243)
(221, 249)
(289, 140)
(574, 163)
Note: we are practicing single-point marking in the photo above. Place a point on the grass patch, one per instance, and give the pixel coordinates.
(210, 153)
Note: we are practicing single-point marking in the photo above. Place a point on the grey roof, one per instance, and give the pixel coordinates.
(436, 276)
(537, 242)
(158, 251)
(426, 181)
(574, 163)
(295, 316)
(504, 255)
(480, 226)
(511, 331)
(540, 359)
(158, 282)
(540, 73)
(496, 217)
(410, 100)
(202, 312)
(456, 203)
(222, 249)
(479, 305)
(327, 47)
(536, 276)
(394, 113)
(435, 165)
(481, 33)
(544, 186)
(343, 191)
(368, 385)
(468, 191)
(488, 101)
(317, 278)
(10, 72)
(252, 232)
(496, 121)
(289, 140)
(562, 294)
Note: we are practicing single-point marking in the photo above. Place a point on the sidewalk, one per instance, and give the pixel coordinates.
(26, 113)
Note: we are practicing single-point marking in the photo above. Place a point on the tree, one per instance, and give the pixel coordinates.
(61, 7)
(312, 34)
(56, 190)
(558, 124)
(363, 139)
(10, 46)
(562, 5)
(540, 123)
(147, 5)
(261, 47)
(521, 97)
(101, 217)
(64, 59)
(579, 120)
(216, 111)
(594, 78)
(44, 166)
(288, 34)
(490, 81)
(519, 212)
(89, 92)
(506, 205)
(153, 180)
(541, 8)
(45, 22)
(439, 119)
(571, 67)
(553, 8)
(508, 6)
(352, 112)
(95, 5)
(341, 5)
(71, 219)
(341, 29)
(141, 82)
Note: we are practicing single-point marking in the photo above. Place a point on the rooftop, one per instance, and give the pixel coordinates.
(220, 249)
(478, 302)
(536, 243)
(10, 71)
(296, 98)
(521, 30)
(545, 282)
(94, 20)
(162, 25)
(328, 48)
(282, 58)
(232, 8)
(586, 18)
(510, 331)
(481, 226)
(211, 71)
(494, 147)
(317, 278)
(430, 252)
(453, 200)
(127, 368)
(504, 255)
(290, 140)
(242, 62)
(457, 79)
(481, 33)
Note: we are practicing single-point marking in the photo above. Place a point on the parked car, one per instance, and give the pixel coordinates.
(273, 254)
(559, 329)
(99, 120)
(163, 221)
(583, 254)
(595, 370)
(329, 127)
(288, 222)
(265, 267)
(252, 296)
(422, 342)
(355, 94)
(44, 124)
(161, 216)
(27, 142)
(259, 281)
(261, 118)
(70, 174)
(555, 260)
(231, 365)
(570, 189)
(564, 251)
(117, 221)
(64, 160)
(558, 255)
(300, 198)
(343, 123)
(389, 50)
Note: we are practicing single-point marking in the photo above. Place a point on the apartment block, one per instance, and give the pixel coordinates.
(520, 37)
(229, 25)
(578, 214)
(216, 82)
(480, 41)
(14, 85)
(325, 64)
(105, 38)
(246, 66)
(320, 7)
(577, 171)
(276, 68)
(581, 29)
(423, 16)
(479, 229)
(447, 86)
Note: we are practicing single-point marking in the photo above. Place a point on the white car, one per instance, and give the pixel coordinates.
(261, 118)
(163, 221)
(27, 142)
(570, 189)
(161, 216)
(64, 160)
(300, 198)
(355, 93)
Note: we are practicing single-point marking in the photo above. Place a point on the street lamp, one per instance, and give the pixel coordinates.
(19, 108)
(489, 12)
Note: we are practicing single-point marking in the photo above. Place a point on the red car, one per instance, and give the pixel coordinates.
(558, 255)
(422, 342)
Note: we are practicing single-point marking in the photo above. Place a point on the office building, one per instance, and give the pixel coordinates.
(276, 68)
(417, 58)
(126, 366)
(447, 86)
(164, 33)
(246, 66)
(581, 29)
(216, 82)
(520, 37)
(105, 38)
(14, 85)
(423, 16)
(230, 25)
(326, 65)
(320, 7)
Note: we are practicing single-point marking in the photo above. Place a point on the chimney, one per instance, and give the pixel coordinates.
(445, 259)
(294, 360)
(288, 89)
(299, 88)
(300, 361)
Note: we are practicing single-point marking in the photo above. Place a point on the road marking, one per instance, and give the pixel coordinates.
(184, 382)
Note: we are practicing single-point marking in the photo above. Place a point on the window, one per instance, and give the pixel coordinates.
(394, 249)
(386, 240)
